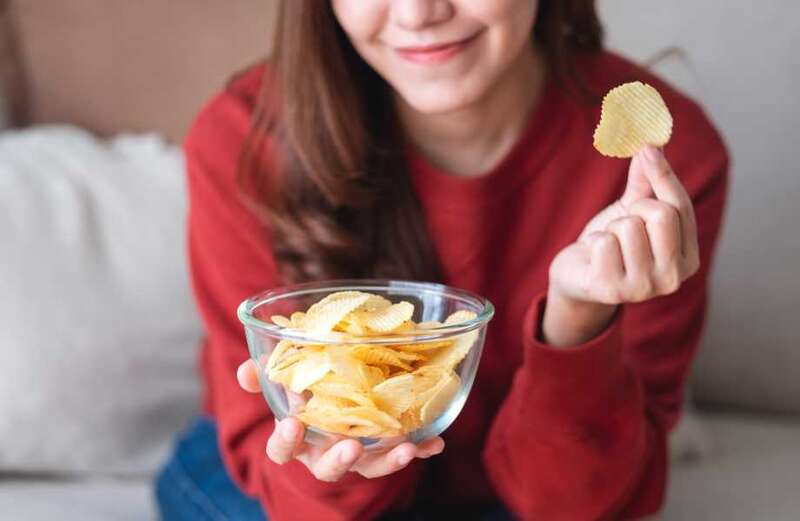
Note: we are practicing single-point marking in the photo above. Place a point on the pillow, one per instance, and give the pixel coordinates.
(97, 324)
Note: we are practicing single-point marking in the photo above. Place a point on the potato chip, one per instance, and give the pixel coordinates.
(365, 431)
(439, 399)
(298, 319)
(278, 352)
(384, 320)
(409, 420)
(418, 348)
(347, 366)
(394, 395)
(373, 355)
(462, 315)
(452, 355)
(342, 390)
(328, 402)
(429, 324)
(307, 372)
(373, 415)
(280, 320)
(633, 115)
(325, 314)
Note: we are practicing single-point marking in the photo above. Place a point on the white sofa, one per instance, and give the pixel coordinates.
(737, 459)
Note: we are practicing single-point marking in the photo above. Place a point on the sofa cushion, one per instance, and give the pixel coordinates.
(751, 473)
(97, 324)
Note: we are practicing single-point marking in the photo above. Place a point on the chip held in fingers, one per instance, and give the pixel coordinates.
(368, 389)
(633, 115)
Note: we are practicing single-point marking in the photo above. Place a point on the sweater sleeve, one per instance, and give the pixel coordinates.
(230, 260)
(582, 433)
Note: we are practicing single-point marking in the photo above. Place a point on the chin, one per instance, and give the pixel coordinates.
(440, 99)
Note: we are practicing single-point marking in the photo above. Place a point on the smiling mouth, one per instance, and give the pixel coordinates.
(437, 53)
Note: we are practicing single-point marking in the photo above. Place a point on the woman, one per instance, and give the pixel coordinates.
(450, 140)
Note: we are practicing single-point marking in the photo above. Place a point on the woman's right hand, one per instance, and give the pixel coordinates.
(330, 464)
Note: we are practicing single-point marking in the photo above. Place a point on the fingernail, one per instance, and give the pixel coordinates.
(652, 154)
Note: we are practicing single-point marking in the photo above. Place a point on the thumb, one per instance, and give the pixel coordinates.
(638, 185)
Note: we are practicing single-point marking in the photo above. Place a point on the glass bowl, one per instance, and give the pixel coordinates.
(432, 302)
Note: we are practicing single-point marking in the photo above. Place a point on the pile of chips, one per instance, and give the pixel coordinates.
(633, 115)
(369, 390)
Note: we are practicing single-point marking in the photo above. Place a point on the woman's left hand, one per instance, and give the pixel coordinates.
(642, 246)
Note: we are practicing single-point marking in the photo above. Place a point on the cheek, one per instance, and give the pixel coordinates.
(360, 19)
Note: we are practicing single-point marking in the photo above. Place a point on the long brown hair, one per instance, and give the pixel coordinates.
(343, 205)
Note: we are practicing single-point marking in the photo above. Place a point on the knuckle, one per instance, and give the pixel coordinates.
(665, 214)
(608, 293)
(641, 289)
(604, 241)
(670, 281)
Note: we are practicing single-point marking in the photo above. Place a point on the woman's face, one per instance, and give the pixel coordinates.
(438, 55)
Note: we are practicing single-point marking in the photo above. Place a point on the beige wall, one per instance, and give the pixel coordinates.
(743, 64)
(112, 65)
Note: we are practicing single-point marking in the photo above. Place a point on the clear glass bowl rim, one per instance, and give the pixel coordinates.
(246, 308)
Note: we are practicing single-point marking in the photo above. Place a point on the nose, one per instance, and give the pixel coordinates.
(417, 14)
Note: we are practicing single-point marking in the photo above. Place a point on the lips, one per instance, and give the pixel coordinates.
(436, 53)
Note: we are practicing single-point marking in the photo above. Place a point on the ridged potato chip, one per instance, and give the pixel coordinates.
(439, 399)
(452, 355)
(633, 115)
(324, 315)
(395, 395)
(384, 320)
(374, 355)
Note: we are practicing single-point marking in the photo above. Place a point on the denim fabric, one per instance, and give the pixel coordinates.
(193, 485)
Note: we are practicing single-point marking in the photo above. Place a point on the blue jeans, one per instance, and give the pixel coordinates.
(193, 485)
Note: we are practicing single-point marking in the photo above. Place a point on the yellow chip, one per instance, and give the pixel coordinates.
(342, 390)
(280, 320)
(376, 431)
(429, 324)
(347, 366)
(371, 414)
(394, 395)
(325, 314)
(279, 351)
(453, 354)
(409, 420)
(462, 315)
(306, 373)
(427, 346)
(374, 375)
(326, 402)
(633, 115)
(376, 355)
(439, 399)
(384, 320)
(298, 318)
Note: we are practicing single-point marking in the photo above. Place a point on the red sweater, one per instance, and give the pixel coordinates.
(555, 434)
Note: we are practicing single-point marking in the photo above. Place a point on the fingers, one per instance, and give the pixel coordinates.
(668, 188)
(638, 185)
(606, 270)
(247, 375)
(381, 464)
(663, 226)
(285, 440)
(634, 244)
(332, 464)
